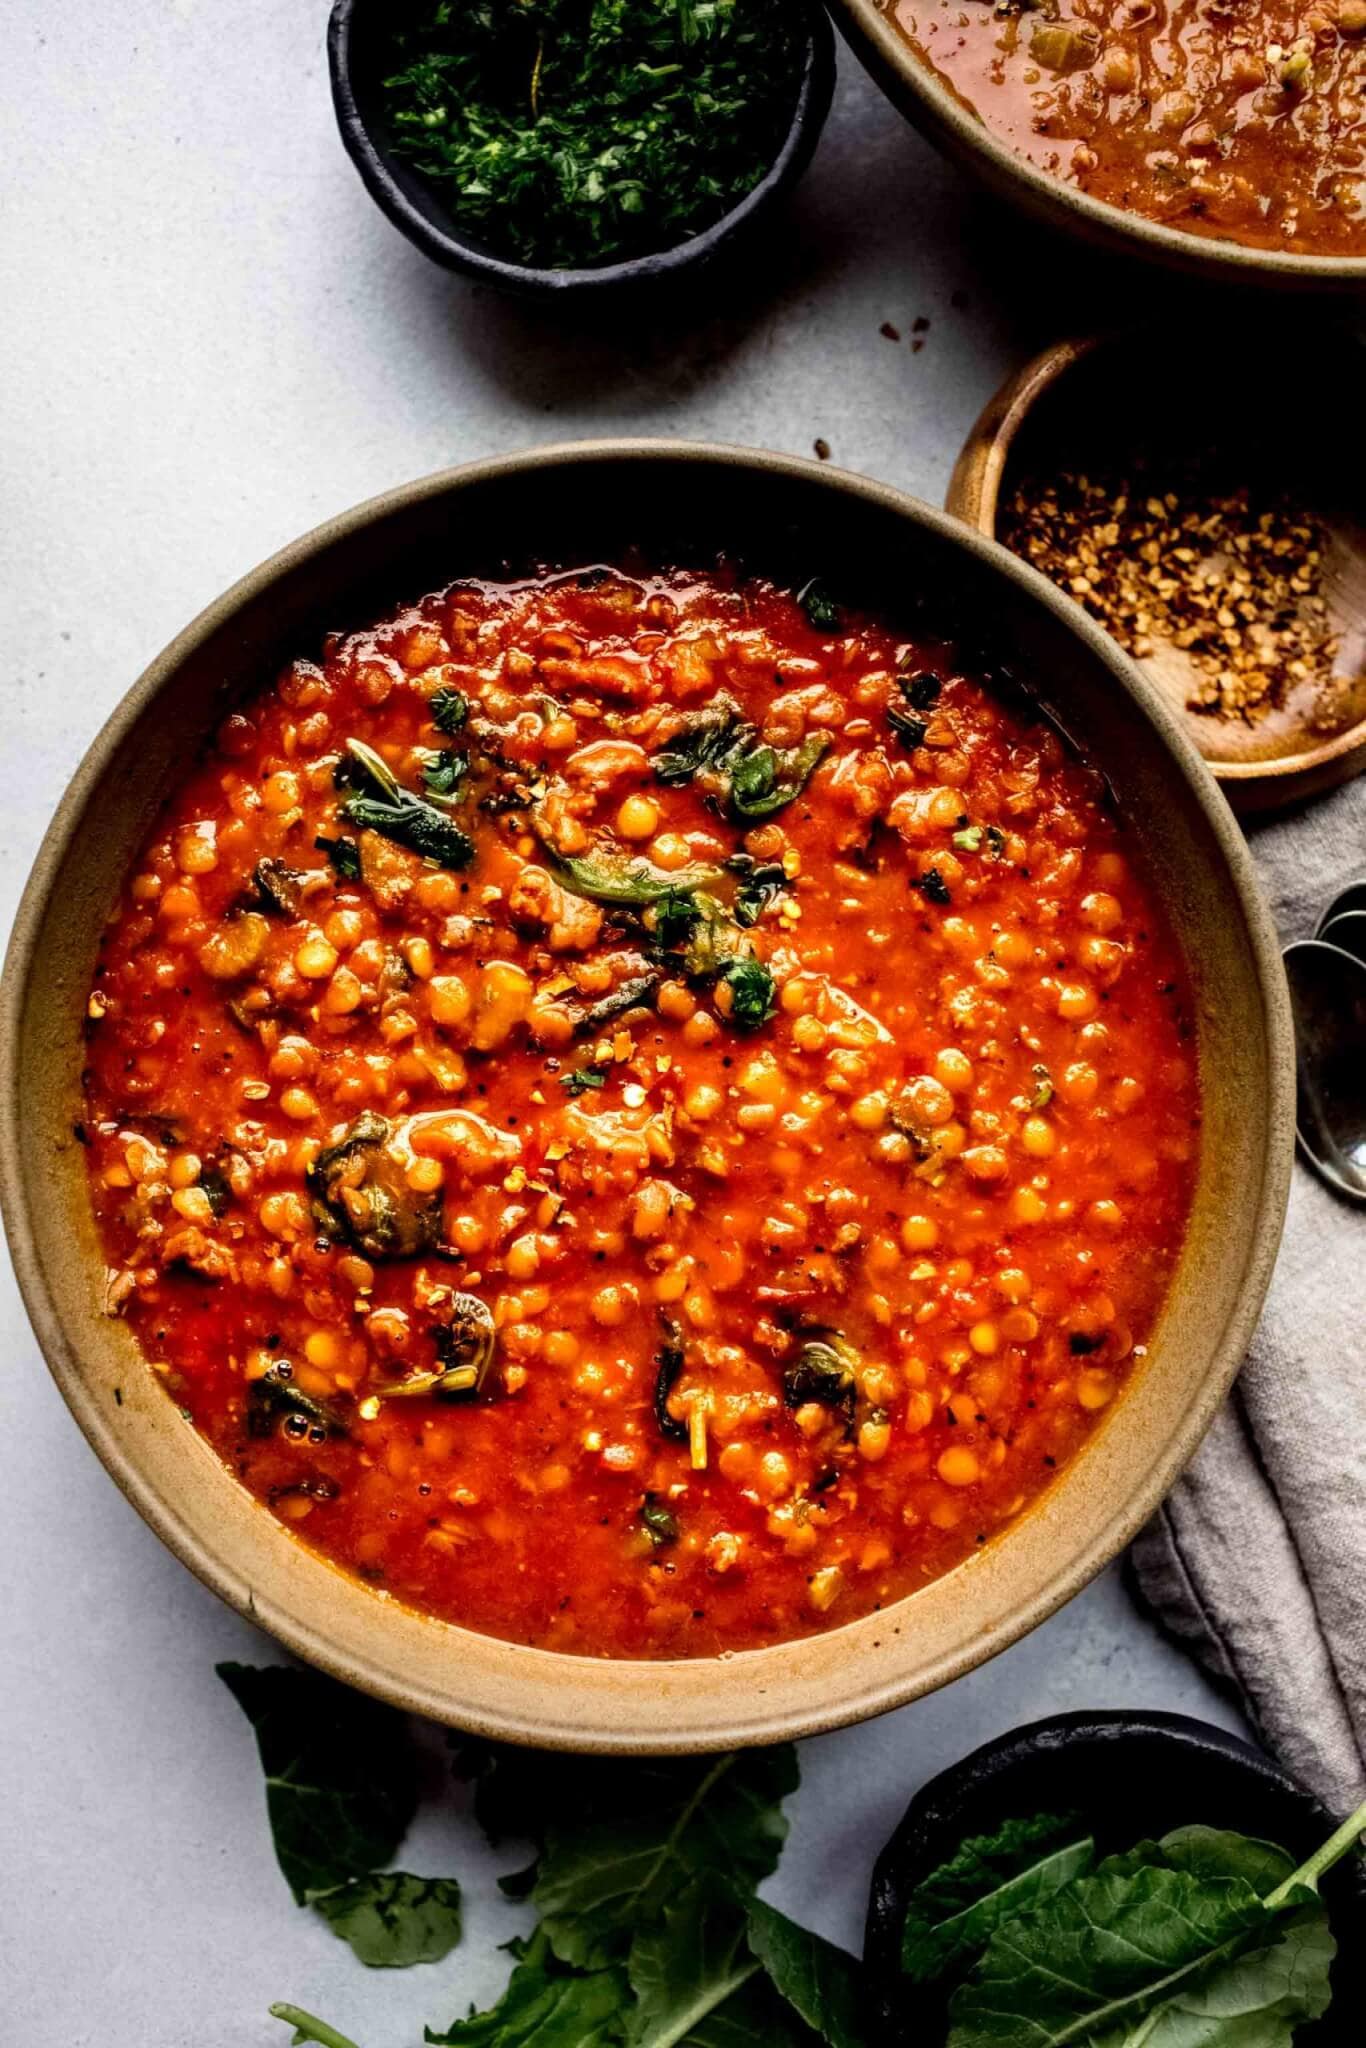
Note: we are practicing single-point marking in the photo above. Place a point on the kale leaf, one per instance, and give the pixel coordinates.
(953, 1911)
(341, 1773)
(393, 1920)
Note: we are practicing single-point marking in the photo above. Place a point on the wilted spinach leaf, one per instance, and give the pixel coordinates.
(379, 804)
(821, 610)
(608, 878)
(341, 1774)
(344, 855)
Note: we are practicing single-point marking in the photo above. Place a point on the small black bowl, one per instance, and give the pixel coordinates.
(1127, 1777)
(355, 51)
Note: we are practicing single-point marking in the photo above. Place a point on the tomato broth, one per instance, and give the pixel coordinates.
(642, 1114)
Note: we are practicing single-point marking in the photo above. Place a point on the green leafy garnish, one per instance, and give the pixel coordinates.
(674, 920)
(1043, 1086)
(758, 780)
(545, 2006)
(443, 773)
(341, 1775)
(969, 839)
(568, 137)
(379, 804)
(606, 1871)
(612, 878)
(767, 779)
(751, 988)
(951, 1914)
(279, 887)
(448, 710)
(701, 742)
(583, 1078)
(344, 855)
(921, 690)
(821, 610)
(818, 1980)
(659, 1524)
(760, 885)
(1204, 1938)
(393, 1920)
(823, 1370)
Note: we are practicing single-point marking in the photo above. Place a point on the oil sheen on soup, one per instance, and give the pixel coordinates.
(640, 1113)
(1240, 119)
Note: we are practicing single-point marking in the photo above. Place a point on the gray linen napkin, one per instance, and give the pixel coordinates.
(1257, 1559)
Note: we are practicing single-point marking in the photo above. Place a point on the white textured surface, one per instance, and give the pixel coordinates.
(211, 341)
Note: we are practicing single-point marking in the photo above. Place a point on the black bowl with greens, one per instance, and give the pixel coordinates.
(1106, 1877)
(552, 146)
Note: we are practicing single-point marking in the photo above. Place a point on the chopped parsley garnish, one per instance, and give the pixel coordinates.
(344, 855)
(568, 136)
(760, 885)
(821, 610)
(582, 1079)
(751, 993)
(443, 773)
(969, 840)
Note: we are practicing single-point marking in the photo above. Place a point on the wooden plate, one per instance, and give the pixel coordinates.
(1293, 409)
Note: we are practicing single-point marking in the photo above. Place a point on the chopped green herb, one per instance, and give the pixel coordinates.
(1043, 1086)
(379, 804)
(443, 773)
(660, 1526)
(465, 1348)
(569, 137)
(344, 855)
(674, 919)
(448, 710)
(996, 841)
(932, 886)
(751, 993)
(582, 1079)
(821, 610)
(969, 840)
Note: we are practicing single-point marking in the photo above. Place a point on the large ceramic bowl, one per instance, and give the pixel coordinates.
(922, 95)
(788, 518)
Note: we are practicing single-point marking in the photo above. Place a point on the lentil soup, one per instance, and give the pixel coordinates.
(1244, 120)
(642, 1114)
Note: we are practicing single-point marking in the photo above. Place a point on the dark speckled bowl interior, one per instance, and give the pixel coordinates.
(681, 504)
(1126, 1777)
(356, 44)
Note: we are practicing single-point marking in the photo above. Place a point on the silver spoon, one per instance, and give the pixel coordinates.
(1328, 1000)
(1350, 897)
(1347, 931)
